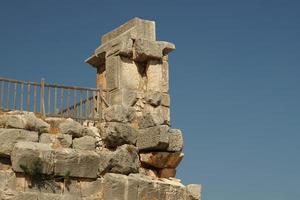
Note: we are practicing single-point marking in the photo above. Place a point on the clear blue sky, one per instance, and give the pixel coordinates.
(235, 79)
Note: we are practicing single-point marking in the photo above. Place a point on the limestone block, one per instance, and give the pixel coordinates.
(105, 156)
(175, 140)
(79, 163)
(113, 64)
(154, 75)
(167, 173)
(150, 120)
(125, 160)
(91, 188)
(16, 195)
(119, 187)
(72, 128)
(146, 50)
(9, 137)
(14, 121)
(27, 153)
(117, 134)
(165, 114)
(157, 114)
(35, 124)
(154, 98)
(165, 100)
(193, 192)
(7, 179)
(161, 159)
(153, 138)
(125, 97)
(138, 27)
(165, 75)
(130, 77)
(119, 113)
(56, 140)
(84, 143)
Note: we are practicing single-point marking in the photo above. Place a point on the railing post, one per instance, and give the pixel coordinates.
(42, 108)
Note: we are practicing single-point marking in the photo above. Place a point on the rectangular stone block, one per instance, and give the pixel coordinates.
(154, 75)
(130, 77)
(113, 64)
(138, 28)
(29, 154)
(165, 75)
(125, 97)
(175, 140)
(79, 163)
(153, 138)
(162, 159)
(119, 187)
(9, 137)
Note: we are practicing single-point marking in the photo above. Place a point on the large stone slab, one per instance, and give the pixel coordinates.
(161, 159)
(140, 29)
(123, 160)
(154, 75)
(56, 140)
(119, 113)
(78, 163)
(9, 137)
(30, 153)
(72, 128)
(117, 134)
(84, 143)
(193, 192)
(175, 140)
(153, 138)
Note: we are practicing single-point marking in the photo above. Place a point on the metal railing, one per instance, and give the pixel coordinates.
(79, 103)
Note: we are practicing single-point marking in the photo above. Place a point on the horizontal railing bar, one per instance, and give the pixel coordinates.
(70, 87)
(18, 81)
(49, 85)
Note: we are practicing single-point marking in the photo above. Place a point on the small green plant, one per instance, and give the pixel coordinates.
(35, 174)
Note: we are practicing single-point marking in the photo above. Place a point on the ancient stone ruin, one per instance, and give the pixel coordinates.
(130, 153)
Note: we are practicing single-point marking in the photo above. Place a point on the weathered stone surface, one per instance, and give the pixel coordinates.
(154, 98)
(71, 127)
(154, 75)
(153, 138)
(149, 120)
(117, 134)
(161, 159)
(140, 28)
(167, 173)
(165, 74)
(16, 195)
(129, 68)
(56, 140)
(119, 113)
(145, 50)
(23, 120)
(193, 192)
(116, 186)
(165, 100)
(27, 153)
(79, 163)
(125, 160)
(125, 97)
(112, 64)
(91, 188)
(156, 189)
(35, 124)
(9, 137)
(7, 179)
(13, 121)
(84, 143)
(175, 140)
(105, 156)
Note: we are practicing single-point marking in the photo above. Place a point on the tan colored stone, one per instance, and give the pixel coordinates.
(167, 173)
(161, 159)
(129, 74)
(154, 75)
